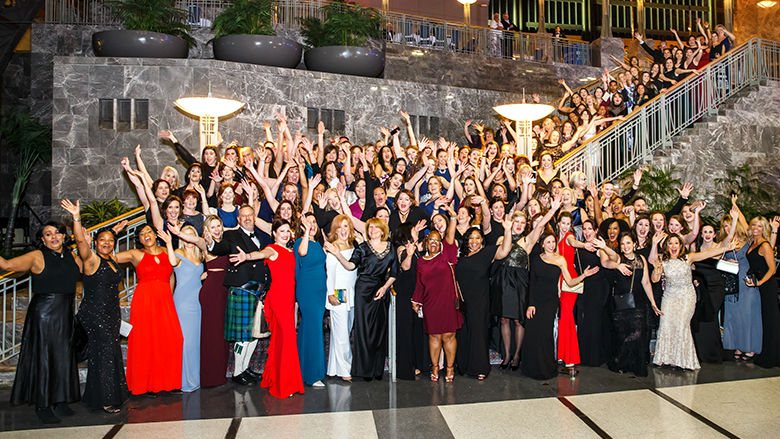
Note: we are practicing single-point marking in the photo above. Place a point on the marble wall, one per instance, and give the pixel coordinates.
(751, 21)
(85, 163)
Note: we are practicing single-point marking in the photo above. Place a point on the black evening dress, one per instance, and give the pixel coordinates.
(47, 372)
(509, 284)
(630, 332)
(593, 325)
(770, 316)
(100, 315)
(705, 324)
(411, 342)
(472, 273)
(370, 327)
(538, 351)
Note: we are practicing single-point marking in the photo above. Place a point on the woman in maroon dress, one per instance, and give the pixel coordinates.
(282, 373)
(435, 294)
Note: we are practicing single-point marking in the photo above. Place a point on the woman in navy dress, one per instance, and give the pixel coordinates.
(310, 288)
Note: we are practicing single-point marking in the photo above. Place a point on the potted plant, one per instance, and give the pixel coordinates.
(243, 32)
(341, 42)
(152, 29)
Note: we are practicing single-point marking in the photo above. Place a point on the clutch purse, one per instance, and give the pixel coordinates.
(727, 266)
(340, 294)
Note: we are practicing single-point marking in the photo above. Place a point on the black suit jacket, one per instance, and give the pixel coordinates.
(238, 275)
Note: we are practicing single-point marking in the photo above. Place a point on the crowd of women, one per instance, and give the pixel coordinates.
(467, 238)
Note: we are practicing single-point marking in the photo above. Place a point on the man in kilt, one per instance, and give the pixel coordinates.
(243, 281)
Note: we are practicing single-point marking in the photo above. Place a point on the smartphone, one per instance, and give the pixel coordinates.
(533, 176)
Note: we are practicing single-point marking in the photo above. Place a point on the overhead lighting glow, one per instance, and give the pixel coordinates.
(766, 4)
(208, 106)
(524, 111)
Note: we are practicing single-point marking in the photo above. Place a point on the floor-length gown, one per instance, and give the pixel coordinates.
(509, 284)
(593, 325)
(214, 350)
(47, 372)
(282, 375)
(538, 349)
(742, 326)
(154, 346)
(473, 275)
(185, 298)
(435, 292)
(411, 342)
(770, 316)
(370, 329)
(568, 345)
(706, 324)
(674, 346)
(630, 330)
(100, 315)
(342, 316)
(311, 292)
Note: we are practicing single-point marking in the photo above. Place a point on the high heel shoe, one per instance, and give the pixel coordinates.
(515, 363)
(503, 365)
(450, 375)
(434, 377)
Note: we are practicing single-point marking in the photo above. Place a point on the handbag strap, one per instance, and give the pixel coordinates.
(458, 293)
(631, 289)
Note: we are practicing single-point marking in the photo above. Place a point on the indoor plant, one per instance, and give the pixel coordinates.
(152, 29)
(341, 42)
(243, 32)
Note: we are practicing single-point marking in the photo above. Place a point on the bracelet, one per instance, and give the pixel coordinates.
(77, 219)
(774, 233)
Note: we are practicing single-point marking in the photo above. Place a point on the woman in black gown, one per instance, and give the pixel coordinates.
(411, 342)
(377, 266)
(539, 346)
(47, 373)
(630, 331)
(593, 328)
(473, 275)
(100, 315)
(762, 272)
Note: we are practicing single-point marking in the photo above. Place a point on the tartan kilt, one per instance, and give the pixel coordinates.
(239, 314)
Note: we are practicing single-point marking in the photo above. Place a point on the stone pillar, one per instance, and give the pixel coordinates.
(541, 29)
(728, 16)
(602, 48)
(640, 17)
(606, 23)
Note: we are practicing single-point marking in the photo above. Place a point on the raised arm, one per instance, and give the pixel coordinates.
(136, 182)
(332, 249)
(466, 132)
(677, 37)
(172, 257)
(320, 142)
(192, 239)
(142, 167)
(536, 232)
(409, 128)
(85, 251)
(506, 243)
(182, 152)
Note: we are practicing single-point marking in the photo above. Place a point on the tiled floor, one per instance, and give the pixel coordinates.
(728, 400)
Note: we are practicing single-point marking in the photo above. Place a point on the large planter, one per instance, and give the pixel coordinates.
(138, 44)
(267, 50)
(347, 60)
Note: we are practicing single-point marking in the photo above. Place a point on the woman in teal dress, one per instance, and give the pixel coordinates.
(310, 292)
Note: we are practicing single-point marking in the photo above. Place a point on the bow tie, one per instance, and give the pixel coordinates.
(251, 235)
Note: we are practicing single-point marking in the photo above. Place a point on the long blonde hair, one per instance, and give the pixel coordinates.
(766, 229)
(195, 249)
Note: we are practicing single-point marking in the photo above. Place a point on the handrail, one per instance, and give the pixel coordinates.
(655, 123)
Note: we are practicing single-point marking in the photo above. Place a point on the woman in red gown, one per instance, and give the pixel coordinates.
(568, 345)
(282, 374)
(154, 346)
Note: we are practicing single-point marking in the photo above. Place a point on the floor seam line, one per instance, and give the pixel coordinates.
(113, 431)
(584, 418)
(232, 430)
(698, 416)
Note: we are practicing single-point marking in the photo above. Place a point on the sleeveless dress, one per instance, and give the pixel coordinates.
(509, 284)
(630, 330)
(214, 350)
(568, 346)
(100, 315)
(770, 316)
(742, 326)
(154, 346)
(411, 341)
(675, 341)
(538, 351)
(47, 372)
(185, 298)
(473, 275)
(282, 375)
(435, 291)
(593, 326)
(706, 320)
(310, 289)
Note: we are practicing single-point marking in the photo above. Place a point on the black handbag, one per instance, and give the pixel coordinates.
(622, 302)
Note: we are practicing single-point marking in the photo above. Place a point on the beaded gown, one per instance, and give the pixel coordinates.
(630, 330)
(100, 315)
(675, 341)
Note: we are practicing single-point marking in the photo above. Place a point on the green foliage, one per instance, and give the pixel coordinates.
(154, 16)
(751, 187)
(245, 17)
(343, 25)
(658, 186)
(100, 211)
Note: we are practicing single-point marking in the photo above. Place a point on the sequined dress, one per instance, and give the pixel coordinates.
(675, 341)
(509, 284)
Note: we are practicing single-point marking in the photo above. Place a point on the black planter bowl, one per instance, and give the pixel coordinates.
(347, 60)
(138, 44)
(267, 50)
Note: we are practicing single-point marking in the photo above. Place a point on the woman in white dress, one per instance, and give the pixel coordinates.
(674, 346)
(341, 297)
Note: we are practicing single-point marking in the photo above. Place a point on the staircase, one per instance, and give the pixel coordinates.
(15, 19)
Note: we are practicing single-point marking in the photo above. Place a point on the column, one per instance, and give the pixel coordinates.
(606, 23)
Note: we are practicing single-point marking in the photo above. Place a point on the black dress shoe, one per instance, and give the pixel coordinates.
(61, 409)
(46, 415)
(243, 380)
(253, 375)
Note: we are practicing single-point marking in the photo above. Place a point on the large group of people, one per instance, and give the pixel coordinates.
(472, 241)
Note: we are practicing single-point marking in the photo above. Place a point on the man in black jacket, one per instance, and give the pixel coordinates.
(242, 281)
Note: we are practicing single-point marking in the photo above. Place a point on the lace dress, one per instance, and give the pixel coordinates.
(675, 341)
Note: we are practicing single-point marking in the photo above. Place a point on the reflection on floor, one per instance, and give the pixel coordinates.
(732, 400)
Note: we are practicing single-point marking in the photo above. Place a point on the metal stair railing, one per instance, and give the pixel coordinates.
(653, 125)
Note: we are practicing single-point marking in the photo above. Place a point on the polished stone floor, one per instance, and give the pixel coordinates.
(731, 400)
